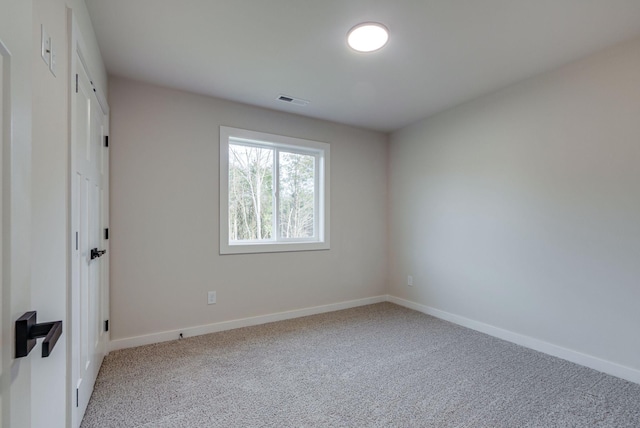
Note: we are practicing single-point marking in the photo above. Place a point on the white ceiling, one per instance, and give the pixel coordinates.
(440, 52)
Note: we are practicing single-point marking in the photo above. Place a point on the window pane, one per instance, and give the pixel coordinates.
(250, 193)
(297, 198)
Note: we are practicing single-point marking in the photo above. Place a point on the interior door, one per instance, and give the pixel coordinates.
(15, 265)
(89, 200)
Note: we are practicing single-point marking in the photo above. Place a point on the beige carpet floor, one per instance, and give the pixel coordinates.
(374, 366)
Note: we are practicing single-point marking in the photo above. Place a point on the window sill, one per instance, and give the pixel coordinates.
(280, 247)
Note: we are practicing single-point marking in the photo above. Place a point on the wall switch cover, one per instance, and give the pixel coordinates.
(45, 46)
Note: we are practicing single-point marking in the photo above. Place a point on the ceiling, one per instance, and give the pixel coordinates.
(440, 52)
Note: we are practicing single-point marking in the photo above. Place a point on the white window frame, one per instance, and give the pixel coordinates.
(291, 145)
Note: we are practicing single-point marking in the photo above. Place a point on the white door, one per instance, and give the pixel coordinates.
(89, 201)
(15, 265)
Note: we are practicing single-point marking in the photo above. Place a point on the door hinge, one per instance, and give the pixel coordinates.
(106, 325)
(77, 397)
(76, 241)
(76, 83)
(106, 141)
(106, 233)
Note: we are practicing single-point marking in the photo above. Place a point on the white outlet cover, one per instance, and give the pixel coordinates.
(410, 281)
(211, 298)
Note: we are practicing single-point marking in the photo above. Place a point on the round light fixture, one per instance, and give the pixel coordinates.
(368, 37)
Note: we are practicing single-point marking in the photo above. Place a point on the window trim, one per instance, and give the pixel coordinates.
(290, 144)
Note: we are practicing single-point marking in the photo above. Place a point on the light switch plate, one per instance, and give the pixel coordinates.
(45, 46)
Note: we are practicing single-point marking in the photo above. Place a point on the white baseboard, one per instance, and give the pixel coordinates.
(131, 342)
(595, 363)
(614, 369)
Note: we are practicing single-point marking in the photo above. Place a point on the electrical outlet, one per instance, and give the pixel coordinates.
(410, 281)
(211, 298)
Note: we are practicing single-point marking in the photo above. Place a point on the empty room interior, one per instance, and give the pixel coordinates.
(360, 213)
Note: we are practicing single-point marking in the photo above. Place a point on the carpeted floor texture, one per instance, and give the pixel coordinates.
(374, 366)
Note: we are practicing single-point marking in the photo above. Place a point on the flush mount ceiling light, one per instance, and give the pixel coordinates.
(368, 37)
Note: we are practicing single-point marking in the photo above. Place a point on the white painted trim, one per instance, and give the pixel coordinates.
(165, 336)
(614, 369)
(322, 152)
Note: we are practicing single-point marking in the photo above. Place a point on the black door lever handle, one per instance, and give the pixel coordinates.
(27, 331)
(95, 253)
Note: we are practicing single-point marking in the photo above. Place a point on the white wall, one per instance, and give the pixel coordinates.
(49, 209)
(50, 196)
(522, 209)
(164, 216)
(15, 34)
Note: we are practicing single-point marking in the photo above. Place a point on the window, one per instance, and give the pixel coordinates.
(274, 193)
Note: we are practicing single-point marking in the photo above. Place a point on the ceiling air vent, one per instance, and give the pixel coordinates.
(292, 100)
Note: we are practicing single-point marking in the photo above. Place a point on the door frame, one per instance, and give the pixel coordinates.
(5, 147)
(77, 49)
